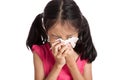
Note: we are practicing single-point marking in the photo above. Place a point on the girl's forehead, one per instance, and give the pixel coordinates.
(63, 28)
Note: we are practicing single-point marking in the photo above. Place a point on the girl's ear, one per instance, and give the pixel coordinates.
(48, 39)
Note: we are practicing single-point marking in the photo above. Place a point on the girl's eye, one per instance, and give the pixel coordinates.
(69, 37)
(56, 37)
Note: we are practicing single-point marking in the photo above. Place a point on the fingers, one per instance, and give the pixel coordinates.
(55, 43)
(56, 46)
(62, 50)
(66, 52)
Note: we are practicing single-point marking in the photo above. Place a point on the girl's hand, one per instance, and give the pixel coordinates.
(57, 51)
(71, 56)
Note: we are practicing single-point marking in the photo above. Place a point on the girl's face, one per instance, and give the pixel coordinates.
(61, 31)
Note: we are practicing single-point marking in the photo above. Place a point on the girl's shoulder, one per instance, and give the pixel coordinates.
(41, 50)
(36, 47)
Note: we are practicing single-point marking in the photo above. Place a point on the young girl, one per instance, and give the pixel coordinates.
(61, 43)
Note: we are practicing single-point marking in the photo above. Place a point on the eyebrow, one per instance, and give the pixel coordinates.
(60, 35)
(54, 35)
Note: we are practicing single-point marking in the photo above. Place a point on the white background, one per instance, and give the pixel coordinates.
(16, 16)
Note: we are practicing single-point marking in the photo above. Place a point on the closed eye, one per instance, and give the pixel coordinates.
(55, 36)
(70, 36)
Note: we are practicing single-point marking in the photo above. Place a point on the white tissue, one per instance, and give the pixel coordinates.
(72, 40)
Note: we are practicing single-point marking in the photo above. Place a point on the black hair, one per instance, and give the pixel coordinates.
(63, 11)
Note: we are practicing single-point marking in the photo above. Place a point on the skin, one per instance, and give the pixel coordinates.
(64, 54)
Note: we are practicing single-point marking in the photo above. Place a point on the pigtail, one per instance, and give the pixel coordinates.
(37, 34)
(85, 45)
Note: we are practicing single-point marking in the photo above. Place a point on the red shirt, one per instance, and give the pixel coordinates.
(45, 54)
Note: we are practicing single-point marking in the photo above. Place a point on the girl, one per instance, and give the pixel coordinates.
(61, 43)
